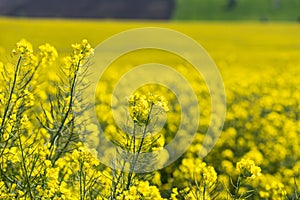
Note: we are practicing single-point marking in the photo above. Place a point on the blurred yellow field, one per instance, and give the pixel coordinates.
(257, 155)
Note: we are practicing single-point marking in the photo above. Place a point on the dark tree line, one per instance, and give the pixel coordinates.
(232, 3)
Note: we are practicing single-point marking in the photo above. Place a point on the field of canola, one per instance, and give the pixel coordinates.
(257, 155)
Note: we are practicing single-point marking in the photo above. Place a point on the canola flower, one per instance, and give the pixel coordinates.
(273, 190)
(247, 169)
(48, 54)
(142, 190)
(24, 48)
(140, 111)
(140, 107)
(27, 160)
(197, 180)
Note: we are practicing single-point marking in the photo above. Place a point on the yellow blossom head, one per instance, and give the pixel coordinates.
(81, 52)
(24, 48)
(247, 169)
(47, 53)
(140, 107)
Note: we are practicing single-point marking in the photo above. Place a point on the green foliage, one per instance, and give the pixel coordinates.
(241, 10)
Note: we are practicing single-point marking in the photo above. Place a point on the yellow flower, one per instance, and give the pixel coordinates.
(174, 194)
(48, 54)
(47, 163)
(247, 168)
(5, 136)
(82, 51)
(24, 48)
(141, 191)
(140, 107)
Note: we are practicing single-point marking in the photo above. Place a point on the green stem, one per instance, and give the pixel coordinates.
(203, 195)
(25, 167)
(296, 188)
(80, 181)
(134, 129)
(10, 95)
(65, 146)
(135, 158)
(237, 187)
(66, 114)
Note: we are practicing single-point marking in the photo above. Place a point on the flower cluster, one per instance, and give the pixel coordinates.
(247, 169)
(48, 54)
(24, 48)
(142, 190)
(273, 190)
(140, 107)
(81, 52)
(195, 178)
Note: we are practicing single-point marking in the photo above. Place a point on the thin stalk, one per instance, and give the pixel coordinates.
(296, 188)
(10, 94)
(80, 181)
(65, 146)
(203, 194)
(70, 105)
(84, 182)
(132, 142)
(135, 158)
(24, 167)
(115, 185)
(237, 188)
